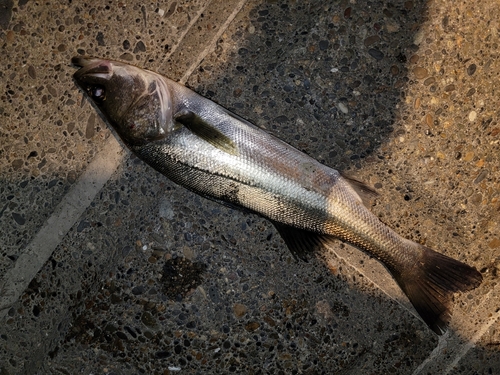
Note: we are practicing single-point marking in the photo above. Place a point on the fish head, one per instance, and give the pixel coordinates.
(134, 101)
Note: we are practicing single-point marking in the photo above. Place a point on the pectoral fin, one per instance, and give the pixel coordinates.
(206, 131)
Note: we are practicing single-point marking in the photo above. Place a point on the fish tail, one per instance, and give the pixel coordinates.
(430, 285)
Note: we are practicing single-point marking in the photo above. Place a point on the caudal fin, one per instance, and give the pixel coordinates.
(430, 286)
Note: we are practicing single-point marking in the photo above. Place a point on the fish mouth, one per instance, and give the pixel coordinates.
(91, 66)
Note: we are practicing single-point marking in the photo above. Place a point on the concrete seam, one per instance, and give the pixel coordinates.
(442, 343)
(212, 43)
(472, 343)
(176, 45)
(461, 350)
(377, 284)
(67, 212)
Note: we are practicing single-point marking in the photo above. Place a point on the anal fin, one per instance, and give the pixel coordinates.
(301, 243)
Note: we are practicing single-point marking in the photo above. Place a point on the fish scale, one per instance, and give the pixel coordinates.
(217, 154)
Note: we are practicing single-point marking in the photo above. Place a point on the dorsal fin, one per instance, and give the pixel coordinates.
(366, 193)
(206, 131)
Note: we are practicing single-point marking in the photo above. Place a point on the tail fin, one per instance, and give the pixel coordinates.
(430, 286)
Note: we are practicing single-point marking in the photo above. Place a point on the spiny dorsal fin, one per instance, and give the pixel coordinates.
(366, 193)
(206, 131)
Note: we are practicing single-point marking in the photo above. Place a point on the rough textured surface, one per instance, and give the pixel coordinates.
(153, 279)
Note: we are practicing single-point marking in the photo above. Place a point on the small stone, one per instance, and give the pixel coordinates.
(239, 310)
(82, 225)
(188, 253)
(52, 90)
(429, 81)
(471, 69)
(71, 177)
(469, 156)
(281, 119)
(138, 290)
(342, 107)
(417, 103)
(394, 70)
(16, 164)
(476, 199)
(90, 130)
(494, 243)
(100, 39)
(347, 12)
(420, 73)
(481, 176)
(472, 116)
(376, 54)
(6, 13)
(140, 47)
(10, 36)
(19, 219)
(429, 120)
(127, 57)
(323, 45)
(392, 26)
(449, 88)
(32, 72)
(269, 321)
(371, 40)
(252, 326)
(148, 319)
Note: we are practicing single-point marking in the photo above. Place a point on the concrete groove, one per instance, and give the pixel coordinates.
(212, 43)
(73, 204)
(440, 360)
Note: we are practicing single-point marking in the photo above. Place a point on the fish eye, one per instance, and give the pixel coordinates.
(97, 93)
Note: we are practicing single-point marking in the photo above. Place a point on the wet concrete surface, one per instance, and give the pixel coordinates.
(134, 274)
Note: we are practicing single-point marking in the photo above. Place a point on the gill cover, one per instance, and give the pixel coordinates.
(135, 102)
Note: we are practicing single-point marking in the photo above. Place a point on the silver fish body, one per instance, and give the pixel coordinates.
(215, 153)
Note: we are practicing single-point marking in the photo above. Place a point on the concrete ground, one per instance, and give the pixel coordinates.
(106, 267)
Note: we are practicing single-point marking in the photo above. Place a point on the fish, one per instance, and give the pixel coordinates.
(215, 153)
